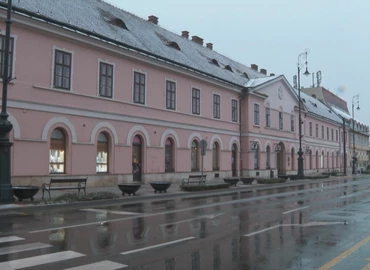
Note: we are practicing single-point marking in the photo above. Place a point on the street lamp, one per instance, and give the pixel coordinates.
(306, 73)
(6, 189)
(355, 102)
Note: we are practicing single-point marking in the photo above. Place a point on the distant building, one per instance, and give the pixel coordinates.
(357, 129)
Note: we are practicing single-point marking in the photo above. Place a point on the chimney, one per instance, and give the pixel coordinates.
(313, 95)
(209, 46)
(185, 34)
(153, 19)
(254, 67)
(272, 74)
(263, 71)
(197, 39)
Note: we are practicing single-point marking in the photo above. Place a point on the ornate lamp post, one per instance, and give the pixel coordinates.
(355, 101)
(306, 73)
(6, 189)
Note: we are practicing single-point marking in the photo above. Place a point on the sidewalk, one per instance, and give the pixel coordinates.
(146, 192)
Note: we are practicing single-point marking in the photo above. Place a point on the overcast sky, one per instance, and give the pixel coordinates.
(272, 33)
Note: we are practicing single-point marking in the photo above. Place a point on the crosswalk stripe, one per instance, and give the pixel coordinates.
(10, 239)
(106, 265)
(39, 260)
(20, 248)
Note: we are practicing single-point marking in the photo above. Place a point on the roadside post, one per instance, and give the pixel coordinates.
(203, 147)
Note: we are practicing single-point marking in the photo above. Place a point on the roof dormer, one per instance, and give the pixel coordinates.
(174, 45)
(119, 23)
(229, 68)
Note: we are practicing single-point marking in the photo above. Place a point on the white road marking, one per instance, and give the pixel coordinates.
(109, 211)
(20, 248)
(293, 210)
(188, 220)
(106, 265)
(159, 245)
(314, 223)
(39, 260)
(10, 239)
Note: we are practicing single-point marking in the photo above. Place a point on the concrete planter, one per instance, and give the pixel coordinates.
(129, 188)
(25, 192)
(231, 180)
(160, 186)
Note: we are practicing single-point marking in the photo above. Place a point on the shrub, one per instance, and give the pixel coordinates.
(74, 197)
(203, 187)
(270, 180)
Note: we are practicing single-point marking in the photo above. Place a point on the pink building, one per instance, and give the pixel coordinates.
(111, 96)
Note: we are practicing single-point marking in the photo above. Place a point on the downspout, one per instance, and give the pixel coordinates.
(244, 91)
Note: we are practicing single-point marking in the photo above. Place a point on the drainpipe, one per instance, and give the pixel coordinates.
(244, 91)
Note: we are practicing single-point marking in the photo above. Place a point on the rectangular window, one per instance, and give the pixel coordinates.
(322, 131)
(139, 88)
(216, 106)
(281, 120)
(327, 133)
(195, 101)
(268, 117)
(292, 123)
(317, 130)
(336, 135)
(234, 110)
(257, 114)
(310, 128)
(2, 55)
(106, 80)
(170, 95)
(332, 134)
(62, 70)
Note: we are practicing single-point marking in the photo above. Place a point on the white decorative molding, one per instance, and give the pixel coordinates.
(268, 143)
(107, 126)
(170, 132)
(218, 138)
(135, 129)
(234, 140)
(192, 136)
(56, 120)
(16, 128)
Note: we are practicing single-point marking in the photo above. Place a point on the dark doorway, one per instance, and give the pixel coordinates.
(233, 160)
(137, 163)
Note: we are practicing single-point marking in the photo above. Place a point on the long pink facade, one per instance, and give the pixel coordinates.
(120, 136)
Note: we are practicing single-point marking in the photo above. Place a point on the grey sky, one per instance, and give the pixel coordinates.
(272, 33)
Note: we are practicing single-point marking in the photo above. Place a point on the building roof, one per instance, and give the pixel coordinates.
(316, 107)
(104, 19)
(334, 101)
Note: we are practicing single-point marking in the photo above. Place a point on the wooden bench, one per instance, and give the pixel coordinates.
(195, 178)
(59, 184)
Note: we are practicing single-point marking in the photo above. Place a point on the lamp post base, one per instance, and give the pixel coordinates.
(300, 174)
(6, 189)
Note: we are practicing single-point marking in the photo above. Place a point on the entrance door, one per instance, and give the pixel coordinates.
(136, 159)
(280, 159)
(233, 160)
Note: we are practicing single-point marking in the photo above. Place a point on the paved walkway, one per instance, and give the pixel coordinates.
(147, 192)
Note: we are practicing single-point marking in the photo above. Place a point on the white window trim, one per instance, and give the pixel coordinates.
(259, 110)
(266, 107)
(191, 100)
(165, 94)
(213, 95)
(282, 119)
(15, 38)
(237, 110)
(105, 61)
(53, 65)
(294, 123)
(133, 83)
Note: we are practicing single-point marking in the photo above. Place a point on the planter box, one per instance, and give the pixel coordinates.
(129, 188)
(160, 186)
(247, 180)
(25, 192)
(231, 180)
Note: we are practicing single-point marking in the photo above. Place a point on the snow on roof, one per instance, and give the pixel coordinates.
(95, 16)
(342, 114)
(259, 81)
(317, 107)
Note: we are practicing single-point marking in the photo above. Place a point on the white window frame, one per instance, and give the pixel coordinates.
(56, 48)
(105, 61)
(237, 110)
(191, 100)
(259, 114)
(165, 94)
(213, 103)
(133, 86)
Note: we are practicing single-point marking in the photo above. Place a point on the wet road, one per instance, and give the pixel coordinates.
(323, 225)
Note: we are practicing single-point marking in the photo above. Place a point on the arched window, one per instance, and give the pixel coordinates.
(215, 157)
(317, 159)
(194, 156)
(57, 152)
(102, 154)
(268, 157)
(168, 156)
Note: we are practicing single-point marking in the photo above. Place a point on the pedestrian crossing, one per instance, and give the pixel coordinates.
(41, 260)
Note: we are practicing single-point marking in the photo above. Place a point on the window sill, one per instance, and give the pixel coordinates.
(195, 170)
(257, 126)
(169, 170)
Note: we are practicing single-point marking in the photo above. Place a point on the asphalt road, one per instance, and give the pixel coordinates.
(322, 225)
